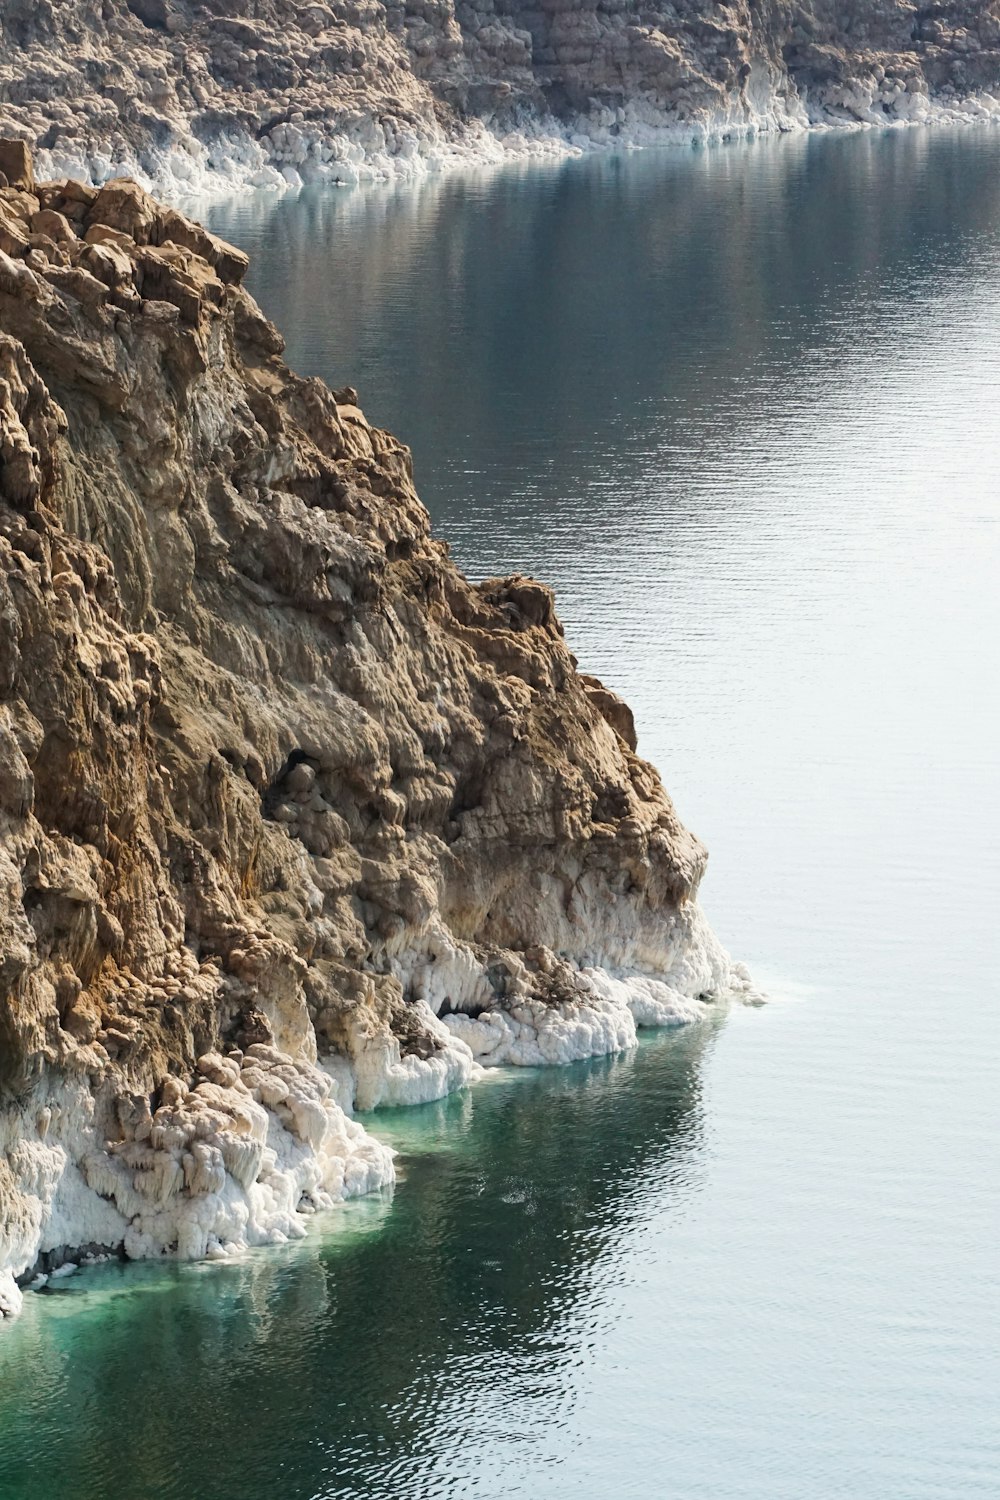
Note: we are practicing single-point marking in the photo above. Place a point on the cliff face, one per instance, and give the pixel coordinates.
(266, 90)
(293, 818)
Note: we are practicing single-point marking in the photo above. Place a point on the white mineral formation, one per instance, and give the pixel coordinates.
(294, 819)
(191, 95)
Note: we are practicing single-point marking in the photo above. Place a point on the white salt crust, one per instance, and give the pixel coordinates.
(240, 1158)
(256, 1143)
(299, 152)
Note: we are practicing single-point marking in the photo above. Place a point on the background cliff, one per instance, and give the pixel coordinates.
(260, 89)
(278, 786)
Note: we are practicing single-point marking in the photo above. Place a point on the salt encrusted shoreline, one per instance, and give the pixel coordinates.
(258, 1143)
(247, 1150)
(193, 95)
(297, 154)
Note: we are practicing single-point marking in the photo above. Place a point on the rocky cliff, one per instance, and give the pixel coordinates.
(293, 818)
(277, 90)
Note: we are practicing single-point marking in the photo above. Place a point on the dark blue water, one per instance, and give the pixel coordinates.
(742, 408)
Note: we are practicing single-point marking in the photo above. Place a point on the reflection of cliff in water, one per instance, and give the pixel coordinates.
(355, 1363)
(607, 296)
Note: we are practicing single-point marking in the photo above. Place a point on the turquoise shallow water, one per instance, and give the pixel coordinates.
(741, 408)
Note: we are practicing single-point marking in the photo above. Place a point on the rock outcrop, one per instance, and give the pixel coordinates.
(293, 818)
(270, 90)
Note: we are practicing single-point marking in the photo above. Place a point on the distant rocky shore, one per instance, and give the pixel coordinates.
(274, 92)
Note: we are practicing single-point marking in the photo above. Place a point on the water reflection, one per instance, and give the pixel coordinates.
(524, 329)
(394, 1347)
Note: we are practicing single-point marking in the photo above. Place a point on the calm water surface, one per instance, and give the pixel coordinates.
(742, 409)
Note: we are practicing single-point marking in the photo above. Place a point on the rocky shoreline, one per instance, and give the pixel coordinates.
(191, 97)
(294, 820)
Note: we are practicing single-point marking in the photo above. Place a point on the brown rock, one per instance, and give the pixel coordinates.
(103, 234)
(15, 164)
(125, 206)
(14, 232)
(612, 708)
(230, 264)
(66, 197)
(49, 222)
(266, 757)
(109, 263)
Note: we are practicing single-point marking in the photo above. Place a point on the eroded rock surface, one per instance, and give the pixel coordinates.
(293, 818)
(270, 90)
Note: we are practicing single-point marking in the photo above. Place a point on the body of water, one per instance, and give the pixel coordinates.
(742, 409)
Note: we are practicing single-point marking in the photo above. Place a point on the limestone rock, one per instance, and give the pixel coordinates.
(277, 783)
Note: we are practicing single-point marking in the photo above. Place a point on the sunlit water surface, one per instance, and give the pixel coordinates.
(741, 409)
